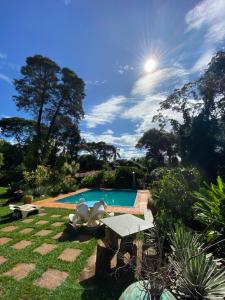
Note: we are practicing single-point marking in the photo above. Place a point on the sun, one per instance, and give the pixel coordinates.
(150, 65)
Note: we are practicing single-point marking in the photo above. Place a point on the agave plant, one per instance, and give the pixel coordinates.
(198, 274)
(210, 207)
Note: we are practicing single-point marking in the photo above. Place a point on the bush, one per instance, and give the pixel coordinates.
(94, 181)
(124, 177)
(172, 191)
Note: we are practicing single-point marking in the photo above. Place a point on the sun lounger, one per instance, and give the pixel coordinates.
(23, 211)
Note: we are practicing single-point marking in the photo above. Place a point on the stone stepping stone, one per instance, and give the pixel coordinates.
(43, 232)
(51, 279)
(26, 230)
(20, 271)
(41, 222)
(69, 254)
(57, 236)
(2, 260)
(89, 269)
(45, 248)
(21, 245)
(27, 221)
(56, 216)
(57, 224)
(42, 214)
(9, 228)
(4, 240)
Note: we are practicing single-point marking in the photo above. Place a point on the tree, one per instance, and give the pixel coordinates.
(53, 96)
(200, 135)
(17, 128)
(160, 145)
(101, 150)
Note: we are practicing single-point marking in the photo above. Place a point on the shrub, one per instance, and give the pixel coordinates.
(124, 177)
(172, 190)
(27, 199)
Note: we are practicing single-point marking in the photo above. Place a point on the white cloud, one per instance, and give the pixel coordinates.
(124, 68)
(160, 80)
(108, 131)
(95, 82)
(105, 112)
(203, 61)
(210, 16)
(124, 142)
(5, 78)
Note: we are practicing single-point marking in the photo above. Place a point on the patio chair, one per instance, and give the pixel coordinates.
(97, 213)
(22, 211)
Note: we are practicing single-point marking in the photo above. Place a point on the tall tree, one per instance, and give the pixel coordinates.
(49, 93)
(202, 105)
(160, 146)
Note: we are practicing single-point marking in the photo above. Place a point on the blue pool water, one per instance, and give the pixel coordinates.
(111, 197)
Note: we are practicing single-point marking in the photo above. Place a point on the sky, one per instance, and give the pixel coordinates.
(108, 44)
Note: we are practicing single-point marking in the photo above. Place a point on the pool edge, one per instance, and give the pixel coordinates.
(140, 203)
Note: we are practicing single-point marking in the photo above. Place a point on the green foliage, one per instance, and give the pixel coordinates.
(200, 134)
(1, 160)
(198, 274)
(159, 145)
(172, 191)
(124, 177)
(210, 206)
(96, 180)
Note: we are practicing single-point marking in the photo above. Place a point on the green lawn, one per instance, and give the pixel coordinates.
(25, 288)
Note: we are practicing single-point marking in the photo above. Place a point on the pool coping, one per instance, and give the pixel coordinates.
(140, 204)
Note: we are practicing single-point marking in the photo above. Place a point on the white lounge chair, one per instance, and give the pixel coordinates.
(88, 216)
(22, 211)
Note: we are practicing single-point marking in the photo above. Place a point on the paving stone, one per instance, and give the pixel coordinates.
(41, 222)
(2, 259)
(45, 248)
(89, 269)
(57, 236)
(57, 224)
(20, 271)
(51, 279)
(42, 214)
(69, 254)
(4, 240)
(55, 216)
(9, 228)
(43, 232)
(26, 230)
(21, 245)
(27, 220)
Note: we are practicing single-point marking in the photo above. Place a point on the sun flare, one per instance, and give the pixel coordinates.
(150, 65)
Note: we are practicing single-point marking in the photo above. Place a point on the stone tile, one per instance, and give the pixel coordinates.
(69, 254)
(21, 245)
(2, 260)
(57, 236)
(4, 240)
(45, 248)
(27, 220)
(43, 232)
(42, 214)
(89, 269)
(57, 224)
(41, 222)
(9, 228)
(20, 271)
(26, 230)
(51, 279)
(55, 216)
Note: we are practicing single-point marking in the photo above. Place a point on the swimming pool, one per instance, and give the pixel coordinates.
(111, 197)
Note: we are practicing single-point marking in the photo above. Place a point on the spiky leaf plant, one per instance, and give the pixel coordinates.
(198, 274)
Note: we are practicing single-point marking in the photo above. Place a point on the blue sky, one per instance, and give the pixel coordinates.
(107, 43)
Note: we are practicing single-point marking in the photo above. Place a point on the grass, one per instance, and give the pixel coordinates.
(69, 289)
